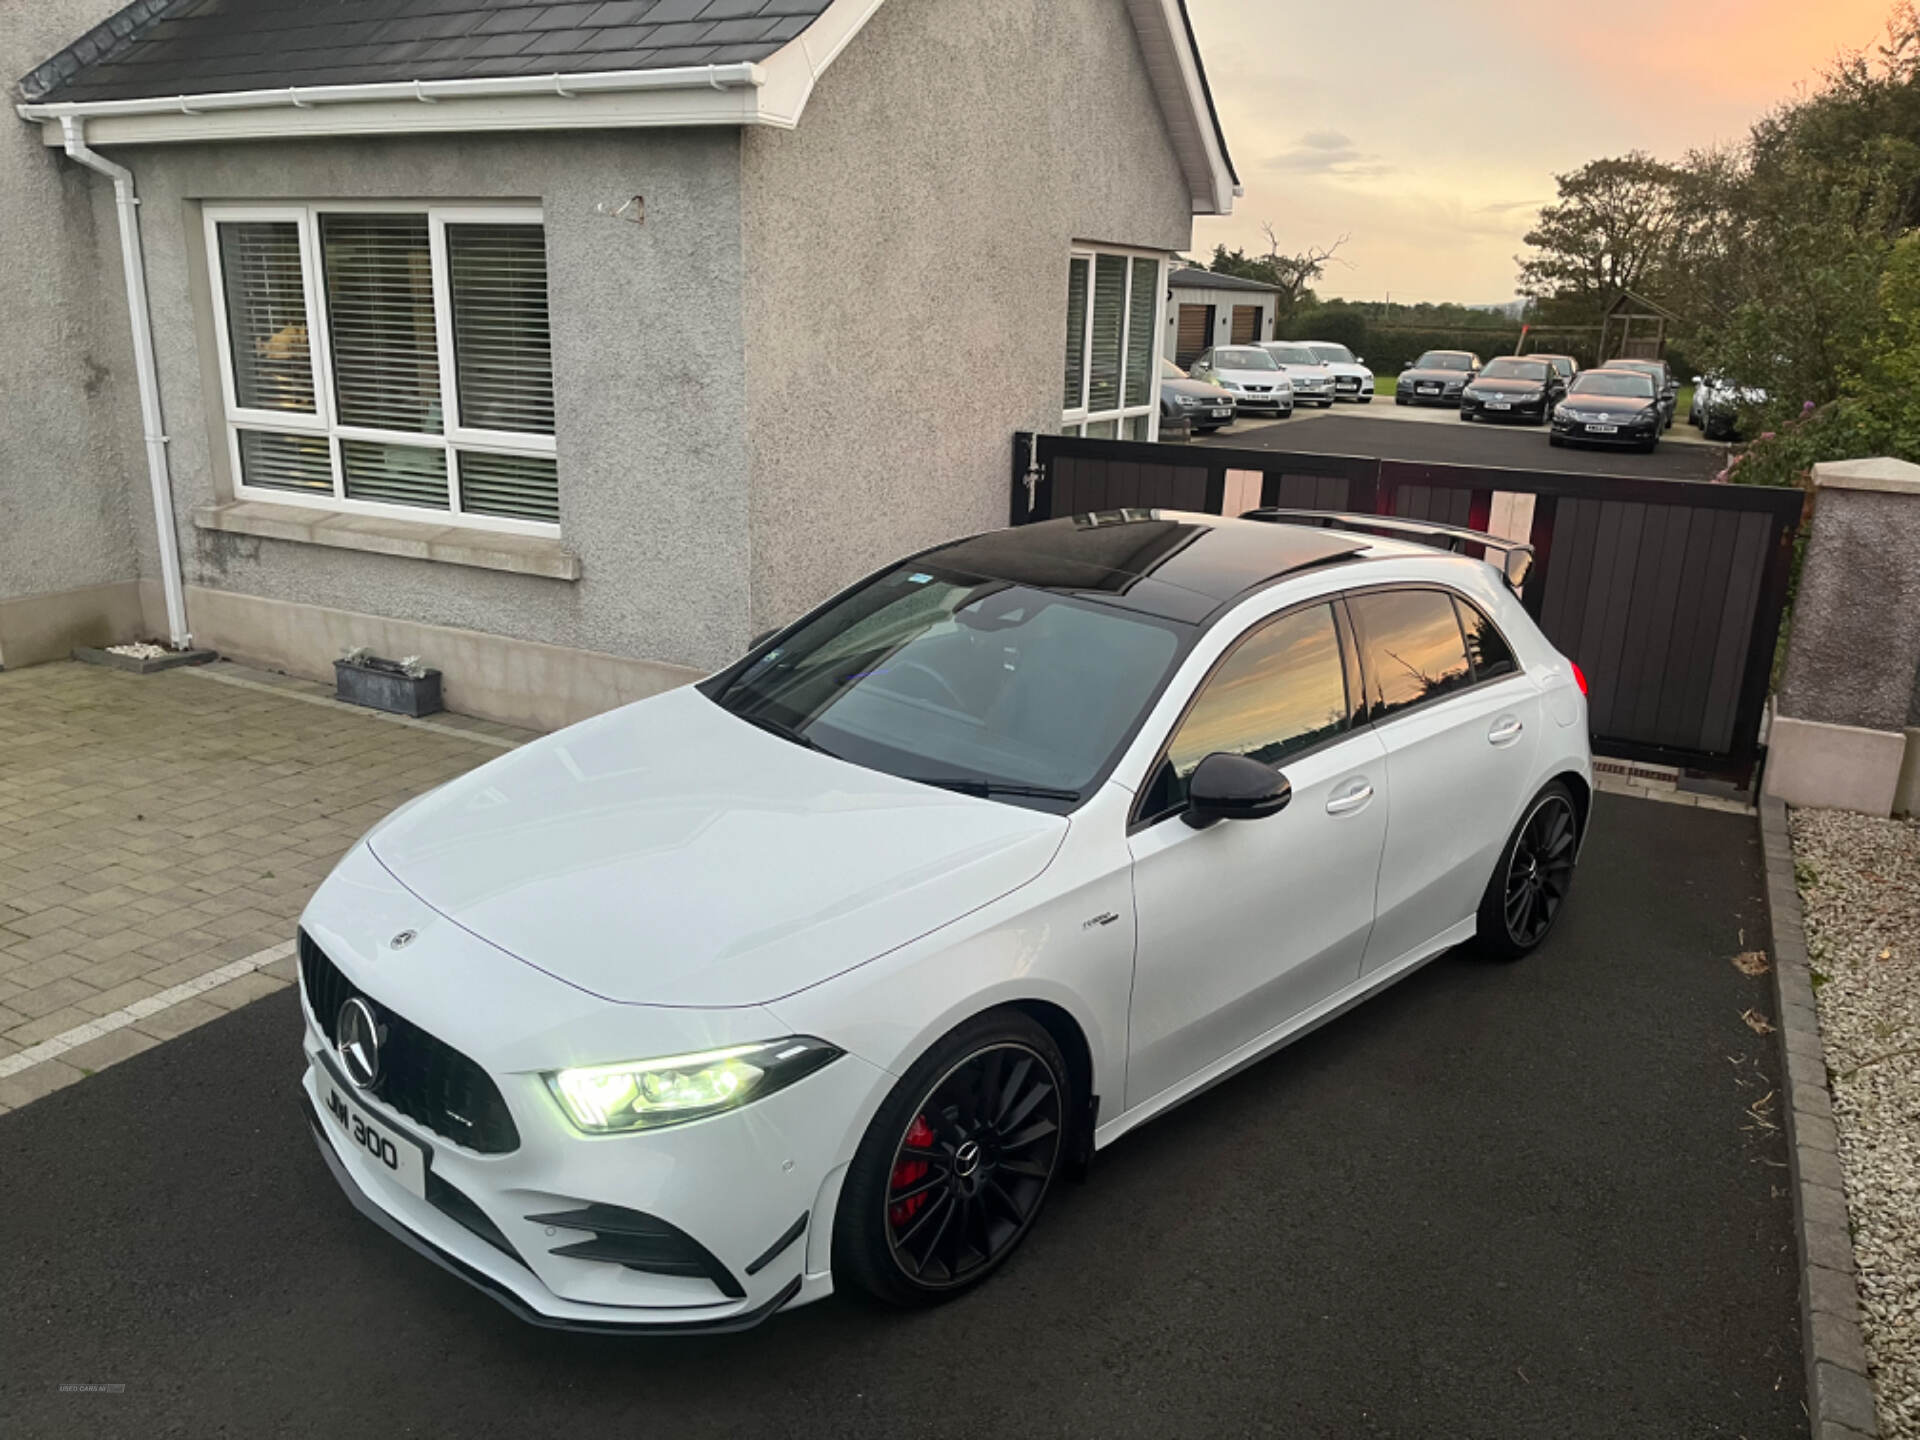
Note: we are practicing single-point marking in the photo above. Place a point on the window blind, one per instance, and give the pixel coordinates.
(503, 353)
(394, 474)
(525, 487)
(286, 462)
(267, 315)
(1140, 336)
(1109, 303)
(386, 359)
(1076, 335)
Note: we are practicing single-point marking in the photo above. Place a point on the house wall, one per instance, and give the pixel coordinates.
(69, 416)
(648, 381)
(1223, 302)
(906, 257)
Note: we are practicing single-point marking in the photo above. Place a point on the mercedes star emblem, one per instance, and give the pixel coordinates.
(358, 1043)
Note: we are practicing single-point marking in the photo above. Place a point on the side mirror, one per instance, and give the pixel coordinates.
(1234, 787)
(762, 638)
(1359, 359)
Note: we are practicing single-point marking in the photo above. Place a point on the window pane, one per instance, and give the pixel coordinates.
(1138, 426)
(502, 352)
(522, 486)
(386, 358)
(1486, 646)
(266, 315)
(286, 462)
(1076, 335)
(1109, 303)
(1141, 340)
(1412, 642)
(1103, 429)
(1282, 690)
(394, 474)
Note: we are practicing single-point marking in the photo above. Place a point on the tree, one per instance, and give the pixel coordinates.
(1291, 275)
(1612, 229)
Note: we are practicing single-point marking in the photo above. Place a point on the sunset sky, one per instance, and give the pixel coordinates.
(1432, 132)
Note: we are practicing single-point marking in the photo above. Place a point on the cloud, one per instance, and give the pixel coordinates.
(1328, 152)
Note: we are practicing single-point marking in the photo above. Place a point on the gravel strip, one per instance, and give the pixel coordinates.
(1860, 886)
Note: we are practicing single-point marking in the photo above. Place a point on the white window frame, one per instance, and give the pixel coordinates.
(454, 436)
(1075, 419)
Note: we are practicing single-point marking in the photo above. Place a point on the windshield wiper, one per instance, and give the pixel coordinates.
(985, 788)
(785, 732)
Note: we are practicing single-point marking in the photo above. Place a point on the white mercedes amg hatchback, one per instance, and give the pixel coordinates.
(825, 970)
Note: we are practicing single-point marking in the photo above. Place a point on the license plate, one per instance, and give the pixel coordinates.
(1428, 389)
(404, 1162)
(1224, 413)
(1499, 404)
(1603, 429)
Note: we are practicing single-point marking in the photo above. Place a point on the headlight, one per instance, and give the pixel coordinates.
(647, 1094)
(1229, 385)
(1187, 402)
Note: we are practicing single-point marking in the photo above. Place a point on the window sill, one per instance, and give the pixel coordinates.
(378, 535)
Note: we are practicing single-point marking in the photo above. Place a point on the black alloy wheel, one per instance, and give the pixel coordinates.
(1529, 889)
(957, 1164)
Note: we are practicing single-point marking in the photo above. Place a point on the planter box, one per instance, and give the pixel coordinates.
(382, 685)
(89, 655)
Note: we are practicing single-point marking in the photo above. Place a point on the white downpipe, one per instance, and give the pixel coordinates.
(158, 475)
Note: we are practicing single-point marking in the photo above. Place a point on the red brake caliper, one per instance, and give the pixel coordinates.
(907, 1173)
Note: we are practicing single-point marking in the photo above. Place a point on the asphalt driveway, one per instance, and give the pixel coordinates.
(1528, 1201)
(1438, 437)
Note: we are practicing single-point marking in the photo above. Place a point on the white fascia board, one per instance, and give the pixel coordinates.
(609, 99)
(1175, 71)
(792, 70)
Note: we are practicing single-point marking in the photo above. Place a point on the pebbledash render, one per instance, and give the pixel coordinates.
(568, 369)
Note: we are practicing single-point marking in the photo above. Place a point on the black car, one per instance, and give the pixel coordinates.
(1566, 365)
(1663, 380)
(1436, 378)
(1609, 407)
(1514, 387)
(1204, 407)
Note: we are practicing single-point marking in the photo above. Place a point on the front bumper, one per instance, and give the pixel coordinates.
(1413, 395)
(1352, 387)
(1586, 433)
(1269, 401)
(732, 1212)
(1532, 411)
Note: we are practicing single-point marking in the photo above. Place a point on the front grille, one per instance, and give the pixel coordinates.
(639, 1242)
(422, 1077)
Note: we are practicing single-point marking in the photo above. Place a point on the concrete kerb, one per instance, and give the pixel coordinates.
(1839, 1395)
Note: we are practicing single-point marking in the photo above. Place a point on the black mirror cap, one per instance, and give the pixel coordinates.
(1234, 787)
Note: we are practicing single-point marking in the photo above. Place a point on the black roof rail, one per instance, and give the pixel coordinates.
(1516, 556)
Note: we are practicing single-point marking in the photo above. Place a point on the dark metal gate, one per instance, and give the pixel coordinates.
(1668, 593)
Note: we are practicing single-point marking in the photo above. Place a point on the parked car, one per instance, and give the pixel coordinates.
(1610, 407)
(1250, 374)
(821, 972)
(1663, 380)
(1352, 380)
(1513, 387)
(1204, 407)
(1436, 378)
(1311, 378)
(1717, 403)
(1564, 365)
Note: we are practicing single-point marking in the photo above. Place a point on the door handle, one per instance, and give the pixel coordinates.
(1505, 730)
(1350, 797)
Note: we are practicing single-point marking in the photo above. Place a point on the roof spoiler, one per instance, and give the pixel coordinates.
(1516, 557)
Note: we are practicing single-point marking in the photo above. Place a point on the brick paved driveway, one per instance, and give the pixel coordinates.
(155, 829)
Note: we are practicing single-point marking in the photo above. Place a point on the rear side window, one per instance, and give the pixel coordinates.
(1488, 649)
(1281, 691)
(1413, 647)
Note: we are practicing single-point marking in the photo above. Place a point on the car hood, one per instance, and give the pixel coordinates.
(1509, 387)
(1307, 372)
(1345, 367)
(1197, 388)
(1452, 377)
(667, 853)
(1618, 404)
(1254, 377)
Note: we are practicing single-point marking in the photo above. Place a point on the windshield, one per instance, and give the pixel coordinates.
(1652, 371)
(1171, 371)
(1443, 360)
(1293, 354)
(1243, 358)
(1333, 354)
(1601, 382)
(939, 676)
(1516, 370)
(1562, 363)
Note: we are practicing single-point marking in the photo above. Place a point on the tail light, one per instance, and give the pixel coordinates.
(1579, 676)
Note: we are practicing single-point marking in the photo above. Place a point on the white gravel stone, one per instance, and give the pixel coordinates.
(1860, 885)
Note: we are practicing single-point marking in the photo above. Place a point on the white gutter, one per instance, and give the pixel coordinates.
(301, 97)
(157, 474)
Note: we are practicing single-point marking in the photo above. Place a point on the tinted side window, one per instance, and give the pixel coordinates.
(1282, 690)
(1413, 647)
(1488, 649)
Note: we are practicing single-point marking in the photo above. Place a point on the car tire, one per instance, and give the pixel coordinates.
(1650, 446)
(905, 1254)
(1366, 399)
(1529, 888)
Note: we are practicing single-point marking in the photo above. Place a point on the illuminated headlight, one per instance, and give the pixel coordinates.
(647, 1094)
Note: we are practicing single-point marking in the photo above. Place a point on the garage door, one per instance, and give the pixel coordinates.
(1195, 334)
(1246, 324)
